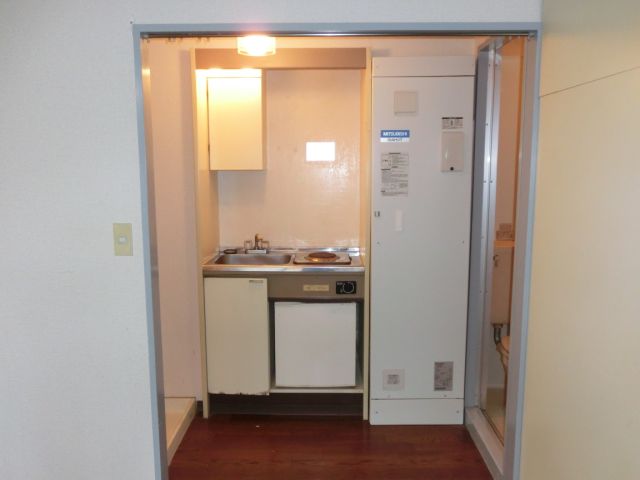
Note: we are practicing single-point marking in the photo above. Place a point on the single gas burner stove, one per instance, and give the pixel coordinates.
(322, 258)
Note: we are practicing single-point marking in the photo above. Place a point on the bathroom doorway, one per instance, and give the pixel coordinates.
(501, 216)
(501, 199)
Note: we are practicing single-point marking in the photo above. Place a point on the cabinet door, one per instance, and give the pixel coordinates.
(235, 123)
(237, 335)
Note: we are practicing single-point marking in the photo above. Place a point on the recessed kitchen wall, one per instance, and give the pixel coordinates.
(296, 203)
(174, 187)
(173, 131)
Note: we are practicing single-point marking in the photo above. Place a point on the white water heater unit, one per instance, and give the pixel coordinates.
(421, 215)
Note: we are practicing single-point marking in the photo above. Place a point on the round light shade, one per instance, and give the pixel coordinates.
(256, 45)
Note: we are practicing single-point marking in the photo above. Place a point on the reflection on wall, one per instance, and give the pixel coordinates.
(499, 319)
(509, 135)
(294, 203)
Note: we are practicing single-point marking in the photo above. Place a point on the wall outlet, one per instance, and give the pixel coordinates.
(393, 379)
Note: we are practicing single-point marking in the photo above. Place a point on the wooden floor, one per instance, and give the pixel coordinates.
(236, 447)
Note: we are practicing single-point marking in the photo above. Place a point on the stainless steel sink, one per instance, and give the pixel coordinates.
(253, 259)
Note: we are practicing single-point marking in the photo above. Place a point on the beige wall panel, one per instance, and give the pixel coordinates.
(207, 180)
(588, 39)
(175, 178)
(581, 417)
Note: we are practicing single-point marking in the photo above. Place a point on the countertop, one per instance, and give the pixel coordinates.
(210, 268)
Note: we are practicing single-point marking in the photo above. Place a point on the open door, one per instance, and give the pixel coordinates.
(499, 103)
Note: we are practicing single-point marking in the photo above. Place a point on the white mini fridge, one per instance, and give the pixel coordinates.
(315, 344)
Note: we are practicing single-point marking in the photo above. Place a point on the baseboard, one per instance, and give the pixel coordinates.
(174, 439)
(423, 411)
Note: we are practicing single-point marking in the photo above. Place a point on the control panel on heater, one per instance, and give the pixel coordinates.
(348, 287)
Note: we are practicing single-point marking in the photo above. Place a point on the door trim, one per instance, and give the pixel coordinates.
(526, 197)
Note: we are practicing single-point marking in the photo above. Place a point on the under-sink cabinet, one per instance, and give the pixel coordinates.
(284, 332)
(237, 335)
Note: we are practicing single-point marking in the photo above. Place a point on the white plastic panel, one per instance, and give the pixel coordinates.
(420, 257)
(452, 151)
(405, 103)
(315, 344)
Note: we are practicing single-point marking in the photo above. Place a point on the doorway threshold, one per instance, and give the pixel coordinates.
(179, 413)
(486, 441)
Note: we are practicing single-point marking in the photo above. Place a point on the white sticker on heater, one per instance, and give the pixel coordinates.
(394, 172)
(452, 123)
(443, 376)
(393, 379)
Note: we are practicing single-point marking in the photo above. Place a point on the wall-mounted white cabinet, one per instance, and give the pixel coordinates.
(237, 335)
(235, 116)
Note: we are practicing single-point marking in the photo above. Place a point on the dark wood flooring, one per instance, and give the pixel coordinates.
(236, 447)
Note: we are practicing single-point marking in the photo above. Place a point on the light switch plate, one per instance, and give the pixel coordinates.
(122, 241)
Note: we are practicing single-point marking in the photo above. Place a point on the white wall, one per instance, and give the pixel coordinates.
(295, 203)
(581, 415)
(75, 367)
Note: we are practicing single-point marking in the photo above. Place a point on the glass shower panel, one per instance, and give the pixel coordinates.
(501, 233)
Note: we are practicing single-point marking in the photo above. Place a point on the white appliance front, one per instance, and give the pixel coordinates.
(315, 344)
(421, 202)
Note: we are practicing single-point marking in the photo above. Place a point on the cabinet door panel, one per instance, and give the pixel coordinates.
(235, 123)
(237, 335)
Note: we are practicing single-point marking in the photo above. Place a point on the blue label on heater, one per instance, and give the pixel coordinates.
(395, 135)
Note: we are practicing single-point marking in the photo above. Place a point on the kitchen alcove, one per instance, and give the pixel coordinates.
(192, 215)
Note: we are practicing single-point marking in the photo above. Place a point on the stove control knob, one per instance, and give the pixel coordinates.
(346, 287)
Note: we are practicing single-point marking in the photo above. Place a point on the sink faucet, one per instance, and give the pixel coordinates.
(259, 245)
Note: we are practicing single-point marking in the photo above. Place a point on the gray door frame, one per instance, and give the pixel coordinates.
(522, 257)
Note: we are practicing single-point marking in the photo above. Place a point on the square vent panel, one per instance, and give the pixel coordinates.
(405, 103)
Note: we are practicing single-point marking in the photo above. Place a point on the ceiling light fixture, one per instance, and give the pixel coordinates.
(256, 45)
